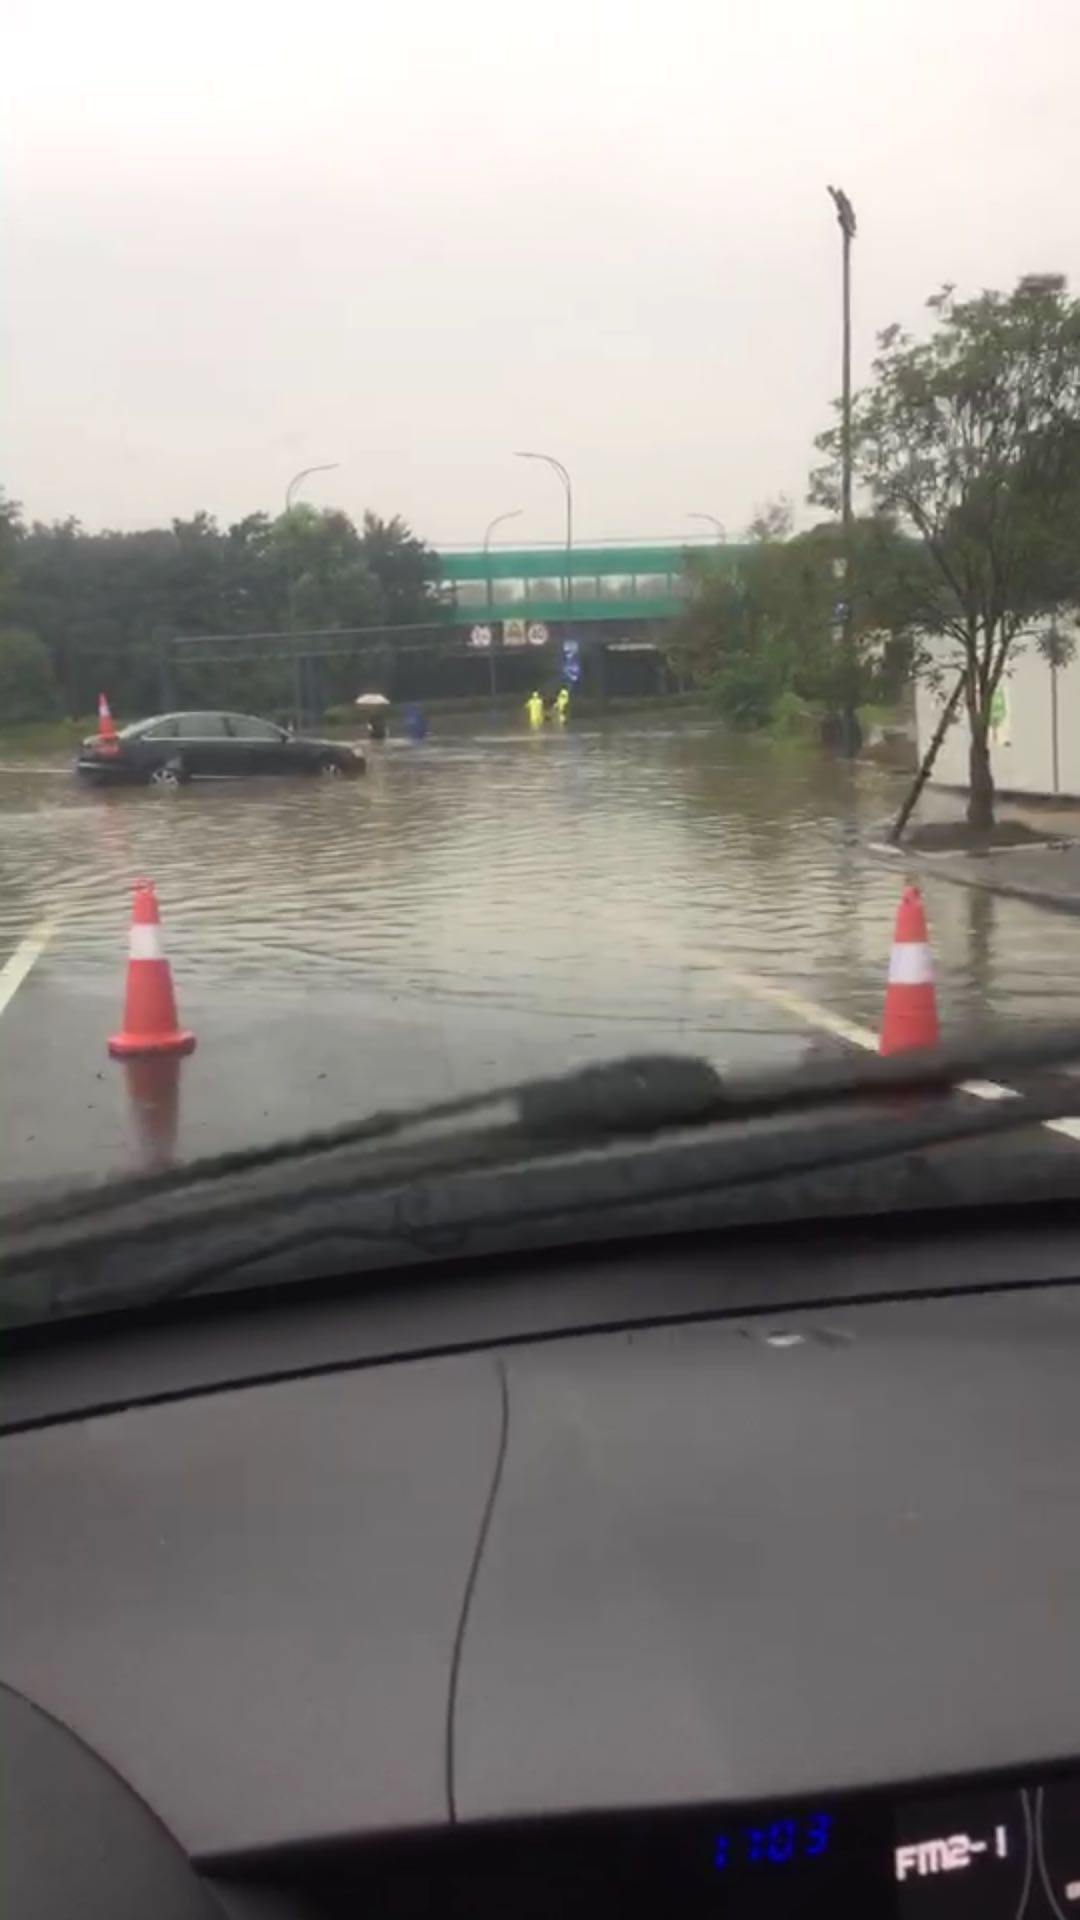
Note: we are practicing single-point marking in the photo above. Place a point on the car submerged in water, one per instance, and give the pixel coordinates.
(173, 748)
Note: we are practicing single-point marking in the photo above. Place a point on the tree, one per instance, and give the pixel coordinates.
(765, 625)
(105, 605)
(27, 684)
(328, 582)
(404, 567)
(11, 532)
(774, 520)
(970, 440)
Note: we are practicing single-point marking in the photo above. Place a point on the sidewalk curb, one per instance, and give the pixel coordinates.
(934, 867)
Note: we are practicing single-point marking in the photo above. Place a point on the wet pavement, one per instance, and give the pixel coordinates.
(483, 907)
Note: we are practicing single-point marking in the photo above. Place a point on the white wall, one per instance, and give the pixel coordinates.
(1022, 755)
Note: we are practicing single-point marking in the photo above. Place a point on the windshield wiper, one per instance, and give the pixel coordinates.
(229, 1214)
(647, 1094)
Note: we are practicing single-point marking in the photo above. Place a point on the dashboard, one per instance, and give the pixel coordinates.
(693, 1586)
(1006, 1851)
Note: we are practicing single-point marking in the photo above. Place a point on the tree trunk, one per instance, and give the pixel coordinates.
(931, 754)
(980, 806)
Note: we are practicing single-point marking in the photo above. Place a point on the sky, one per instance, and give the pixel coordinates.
(241, 237)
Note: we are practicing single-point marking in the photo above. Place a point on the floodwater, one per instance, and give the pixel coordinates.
(590, 869)
(487, 904)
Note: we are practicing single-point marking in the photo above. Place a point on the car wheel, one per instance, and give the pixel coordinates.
(170, 775)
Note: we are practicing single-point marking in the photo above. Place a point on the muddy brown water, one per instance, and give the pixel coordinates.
(617, 871)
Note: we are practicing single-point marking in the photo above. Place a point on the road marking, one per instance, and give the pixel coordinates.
(807, 1011)
(813, 1015)
(25, 957)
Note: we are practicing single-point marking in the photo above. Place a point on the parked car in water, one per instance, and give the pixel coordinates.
(173, 748)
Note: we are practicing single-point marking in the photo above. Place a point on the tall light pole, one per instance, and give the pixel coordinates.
(305, 473)
(845, 215)
(717, 526)
(489, 587)
(329, 466)
(515, 513)
(550, 461)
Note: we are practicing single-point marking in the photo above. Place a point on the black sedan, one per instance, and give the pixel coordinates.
(176, 747)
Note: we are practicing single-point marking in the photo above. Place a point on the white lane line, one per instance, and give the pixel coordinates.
(807, 1011)
(25, 957)
(813, 1015)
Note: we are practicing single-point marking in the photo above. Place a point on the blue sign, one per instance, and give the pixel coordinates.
(571, 662)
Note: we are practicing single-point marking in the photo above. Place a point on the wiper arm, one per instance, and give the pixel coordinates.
(636, 1095)
(240, 1213)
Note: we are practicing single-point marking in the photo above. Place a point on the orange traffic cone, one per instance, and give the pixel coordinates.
(106, 725)
(910, 1017)
(149, 1007)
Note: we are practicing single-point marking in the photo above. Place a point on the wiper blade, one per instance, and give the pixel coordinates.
(229, 1213)
(645, 1094)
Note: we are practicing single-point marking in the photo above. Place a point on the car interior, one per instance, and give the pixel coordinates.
(722, 1573)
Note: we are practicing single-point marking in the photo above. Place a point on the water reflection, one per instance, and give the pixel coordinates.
(153, 1090)
(599, 872)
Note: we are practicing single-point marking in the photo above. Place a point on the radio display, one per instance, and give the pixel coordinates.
(985, 1852)
(1012, 1853)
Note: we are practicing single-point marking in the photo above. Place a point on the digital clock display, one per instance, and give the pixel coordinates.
(772, 1843)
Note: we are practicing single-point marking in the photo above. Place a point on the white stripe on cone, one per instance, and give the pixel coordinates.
(910, 965)
(146, 943)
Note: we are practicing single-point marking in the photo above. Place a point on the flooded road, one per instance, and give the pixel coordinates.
(484, 905)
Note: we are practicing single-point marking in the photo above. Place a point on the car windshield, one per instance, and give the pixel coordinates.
(658, 637)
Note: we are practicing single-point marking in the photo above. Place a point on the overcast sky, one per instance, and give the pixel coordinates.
(242, 236)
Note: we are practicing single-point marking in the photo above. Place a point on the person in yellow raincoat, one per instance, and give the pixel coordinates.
(534, 708)
(562, 703)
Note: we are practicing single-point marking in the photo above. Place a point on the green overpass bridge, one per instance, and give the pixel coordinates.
(614, 582)
(497, 624)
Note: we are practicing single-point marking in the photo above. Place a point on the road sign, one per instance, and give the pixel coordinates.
(481, 636)
(513, 633)
(538, 635)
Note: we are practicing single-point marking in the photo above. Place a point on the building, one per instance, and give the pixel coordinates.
(1035, 740)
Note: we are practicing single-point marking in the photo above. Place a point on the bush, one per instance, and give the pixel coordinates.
(28, 688)
(793, 718)
(745, 692)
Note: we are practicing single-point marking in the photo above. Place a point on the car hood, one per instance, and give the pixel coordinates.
(728, 1559)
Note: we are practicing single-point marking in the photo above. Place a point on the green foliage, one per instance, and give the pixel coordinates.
(768, 630)
(792, 718)
(970, 441)
(27, 684)
(104, 604)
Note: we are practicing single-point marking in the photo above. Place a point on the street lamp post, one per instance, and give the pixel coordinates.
(305, 473)
(515, 513)
(550, 461)
(845, 216)
(489, 586)
(717, 526)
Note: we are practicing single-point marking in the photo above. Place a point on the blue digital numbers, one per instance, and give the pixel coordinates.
(773, 1842)
(817, 1834)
